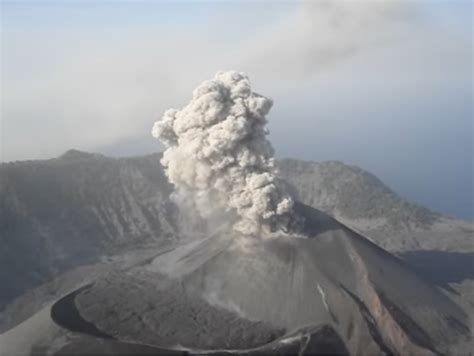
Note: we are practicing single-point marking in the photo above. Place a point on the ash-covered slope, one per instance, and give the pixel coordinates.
(64, 212)
(360, 200)
(332, 291)
(71, 209)
(352, 194)
(290, 286)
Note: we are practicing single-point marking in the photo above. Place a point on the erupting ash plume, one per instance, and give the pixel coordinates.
(218, 157)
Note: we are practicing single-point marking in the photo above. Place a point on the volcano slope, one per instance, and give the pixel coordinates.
(329, 291)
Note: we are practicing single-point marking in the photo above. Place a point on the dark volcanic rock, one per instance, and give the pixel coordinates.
(148, 308)
(329, 291)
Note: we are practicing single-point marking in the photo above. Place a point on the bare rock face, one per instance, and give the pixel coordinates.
(360, 200)
(73, 209)
(233, 293)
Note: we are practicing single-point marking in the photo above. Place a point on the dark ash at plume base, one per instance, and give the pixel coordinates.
(219, 160)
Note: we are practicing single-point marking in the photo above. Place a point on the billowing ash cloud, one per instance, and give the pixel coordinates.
(219, 159)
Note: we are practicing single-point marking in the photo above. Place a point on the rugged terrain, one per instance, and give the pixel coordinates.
(325, 290)
(60, 213)
(70, 211)
(360, 200)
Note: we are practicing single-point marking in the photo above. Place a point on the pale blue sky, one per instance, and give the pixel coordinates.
(386, 87)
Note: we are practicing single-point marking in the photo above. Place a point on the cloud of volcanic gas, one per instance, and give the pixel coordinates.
(219, 160)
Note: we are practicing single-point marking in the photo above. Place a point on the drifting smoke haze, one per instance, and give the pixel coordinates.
(219, 159)
(110, 82)
(323, 33)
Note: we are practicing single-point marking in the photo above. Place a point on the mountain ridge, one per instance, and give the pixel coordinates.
(363, 194)
(72, 209)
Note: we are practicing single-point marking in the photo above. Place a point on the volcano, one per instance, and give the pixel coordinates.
(256, 272)
(326, 291)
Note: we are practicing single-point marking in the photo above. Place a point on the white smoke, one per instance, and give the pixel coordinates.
(218, 157)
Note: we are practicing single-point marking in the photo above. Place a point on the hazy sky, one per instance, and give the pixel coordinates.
(385, 85)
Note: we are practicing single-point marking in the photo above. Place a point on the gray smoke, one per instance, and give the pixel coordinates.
(219, 160)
